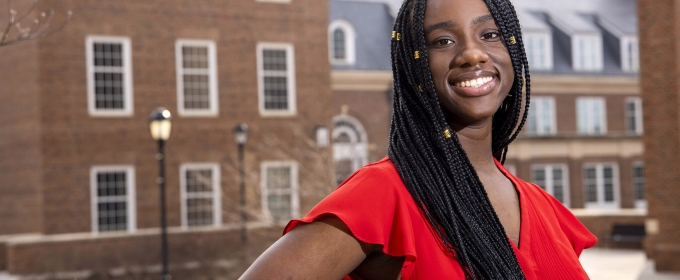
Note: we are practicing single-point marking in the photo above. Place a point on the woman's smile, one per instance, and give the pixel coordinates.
(472, 84)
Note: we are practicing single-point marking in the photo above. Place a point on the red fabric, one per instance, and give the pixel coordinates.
(378, 209)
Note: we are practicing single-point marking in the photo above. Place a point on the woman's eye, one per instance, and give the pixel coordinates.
(491, 35)
(442, 42)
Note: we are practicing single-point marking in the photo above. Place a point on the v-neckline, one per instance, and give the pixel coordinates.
(523, 210)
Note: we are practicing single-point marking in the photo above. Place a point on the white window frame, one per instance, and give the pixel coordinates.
(538, 107)
(290, 72)
(599, 175)
(293, 191)
(211, 72)
(637, 102)
(630, 61)
(126, 69)
(578, 54)
(639, 203)
(546, 54)
(216, 194)
(587, 120)
(549, 182)
(350, 42)
(130, 198)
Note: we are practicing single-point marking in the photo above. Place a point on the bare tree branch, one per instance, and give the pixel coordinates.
(39, 27)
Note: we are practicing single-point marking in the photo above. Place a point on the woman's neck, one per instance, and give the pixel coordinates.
(476, 140)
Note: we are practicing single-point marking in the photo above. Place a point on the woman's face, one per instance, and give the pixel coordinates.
(470, 64)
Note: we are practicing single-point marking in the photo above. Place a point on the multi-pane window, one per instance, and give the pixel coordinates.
(630, 54)
(633, 115)
(113, 198)
(587, 52)
(601, 185)
(542, 116)
(109, 76)
(553, 179)
(196, 77)
(538, 48)
(276, 79)
(639, 184)
(350, 151)
(200, 195)
(280, 190)
(342, 42)
(591, 115)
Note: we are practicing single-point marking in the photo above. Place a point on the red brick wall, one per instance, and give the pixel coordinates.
(659, 36)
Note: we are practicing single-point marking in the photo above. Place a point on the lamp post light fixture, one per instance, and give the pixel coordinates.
(241, 137)
(160, 125)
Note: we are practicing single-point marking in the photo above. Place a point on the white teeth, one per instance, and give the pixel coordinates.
(474, 82)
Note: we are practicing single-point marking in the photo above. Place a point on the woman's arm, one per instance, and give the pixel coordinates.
(324, 249)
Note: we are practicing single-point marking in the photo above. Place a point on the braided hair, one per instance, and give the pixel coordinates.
(429, 157)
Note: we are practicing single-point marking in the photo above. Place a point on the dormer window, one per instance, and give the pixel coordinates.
(341, 37)
(538, 47)
(587, 52)
(630, 56)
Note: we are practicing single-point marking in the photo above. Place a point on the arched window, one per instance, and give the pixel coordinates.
(341, 37)
(350, 146)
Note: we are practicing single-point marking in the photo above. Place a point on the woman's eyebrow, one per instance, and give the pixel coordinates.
(480, 19)
(450, 23)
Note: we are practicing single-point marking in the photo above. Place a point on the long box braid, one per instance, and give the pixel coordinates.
(433, 164)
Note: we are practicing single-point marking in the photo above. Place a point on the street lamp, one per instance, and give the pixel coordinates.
(160, 125)
(241, 137)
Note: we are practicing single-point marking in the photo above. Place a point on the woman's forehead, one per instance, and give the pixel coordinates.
(456, 12)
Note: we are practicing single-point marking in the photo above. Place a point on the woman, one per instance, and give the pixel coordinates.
(441, 206)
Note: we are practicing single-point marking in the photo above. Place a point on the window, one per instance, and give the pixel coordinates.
(350, 151)
(538, 48)
(587, 52)
(276, 79)
(601, 185)
(639, 185)
(109, 76)
(591, 114)
(200, 195)
(280, 190)
(634, 115)
(196, 78)
(342, 42)
(542, 116)
(112, 191)
(553, 179)
(630, 55)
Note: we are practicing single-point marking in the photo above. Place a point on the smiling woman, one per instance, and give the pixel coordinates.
(441, 205)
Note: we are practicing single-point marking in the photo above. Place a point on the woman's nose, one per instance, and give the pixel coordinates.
(470, 54)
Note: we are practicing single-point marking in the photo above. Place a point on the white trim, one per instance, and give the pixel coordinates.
(578, 54)
(216, 194)
(639, 203)
(289, 74)
(549, 180)
(637, 102)
(293, 191)
(130, 198)
(541, 106)
(585, 124)
(350, 42)
(630, 61)
(599, 185)
(357, 149)
(126, 69)
(531, 40)
(211, 72)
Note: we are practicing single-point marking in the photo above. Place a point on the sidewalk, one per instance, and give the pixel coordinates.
(619, 264)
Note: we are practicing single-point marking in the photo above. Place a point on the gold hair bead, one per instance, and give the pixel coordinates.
(512, 40)
(447, 133)
(417, 54)
(398, 36)
(394, 34)
(419, 88)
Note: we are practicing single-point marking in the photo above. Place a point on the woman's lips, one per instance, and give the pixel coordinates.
(475, 87)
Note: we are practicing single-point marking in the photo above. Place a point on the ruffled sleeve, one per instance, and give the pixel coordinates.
(373, 204)
(578, 235)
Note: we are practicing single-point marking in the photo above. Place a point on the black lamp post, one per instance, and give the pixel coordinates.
(241, 136)
(160, 125)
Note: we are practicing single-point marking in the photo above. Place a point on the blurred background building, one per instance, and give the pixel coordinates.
(312, 79)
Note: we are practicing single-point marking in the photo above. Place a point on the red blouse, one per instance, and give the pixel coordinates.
(378, 209)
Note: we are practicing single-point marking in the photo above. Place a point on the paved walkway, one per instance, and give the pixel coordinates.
(619, 264)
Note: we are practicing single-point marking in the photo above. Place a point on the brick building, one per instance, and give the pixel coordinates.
(79, 194)
(659, 54)
(583, 139)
